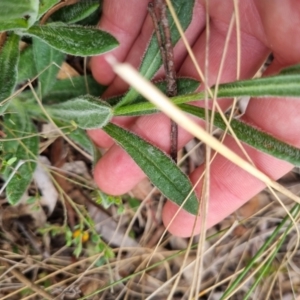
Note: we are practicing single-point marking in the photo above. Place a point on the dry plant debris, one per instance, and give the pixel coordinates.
(35, 263)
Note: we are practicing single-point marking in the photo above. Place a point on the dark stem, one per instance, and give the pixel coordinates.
(159, 36)
(163, 34)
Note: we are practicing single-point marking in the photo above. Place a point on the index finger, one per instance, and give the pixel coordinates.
(124, 20)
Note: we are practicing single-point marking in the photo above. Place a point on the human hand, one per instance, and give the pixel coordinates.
(266, 26)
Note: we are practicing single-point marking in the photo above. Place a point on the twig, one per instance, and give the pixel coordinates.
(163, 34)
(27, 282)
(157, 31)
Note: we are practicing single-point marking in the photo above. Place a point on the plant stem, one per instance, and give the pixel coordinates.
(163, 34)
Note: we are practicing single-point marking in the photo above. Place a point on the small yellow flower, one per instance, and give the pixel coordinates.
(84, 235)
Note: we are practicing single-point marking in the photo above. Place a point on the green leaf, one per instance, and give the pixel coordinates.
(92, 19)
(152, 59)
(11, 161)
(45, 5)
(9, 58)
(269, 267)
(26, 67)
(24, 148)
(107, 200)
(141, 105)
(282, 85)
(285, 84)
(291, 70)
(47, 61)
(252, 136)
(159, 167)
(65, 89)
(16, 123)
(74, 39)
(16, 14)
(80, 137)
(184, 86)
(86, 111)
(76, 12)
(77, 135)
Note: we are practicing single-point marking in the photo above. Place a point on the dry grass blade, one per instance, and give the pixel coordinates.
(27, 282)
(148, 90)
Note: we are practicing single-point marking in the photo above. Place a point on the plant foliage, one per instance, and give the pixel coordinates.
(74, 102)
(53, 30)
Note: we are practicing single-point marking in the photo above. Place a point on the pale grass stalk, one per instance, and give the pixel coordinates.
(64, 196)
(271, 249)
(200, 73)
(149, 91)
(13, 173)
(59, 271)
(203, 205)
(130, 225)
(78, 179)
(232, 277)
(86, 271)
(30, 135)
(207, 290)
(28, 284)
(19, 91)
(275, 276)
(175, 215)
(58, 129)
(243, 252)
(157, 98)
(238, 38)
(205, 190)
(291, 283)
(292, 220)
(22, 144)
(184, 267)
(196, 65)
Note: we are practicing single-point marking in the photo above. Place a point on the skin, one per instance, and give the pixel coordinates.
(266, 26)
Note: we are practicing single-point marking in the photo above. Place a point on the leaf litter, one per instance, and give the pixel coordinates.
(46, 253)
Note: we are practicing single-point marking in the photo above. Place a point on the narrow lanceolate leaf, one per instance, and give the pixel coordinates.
(69, 88)
(142, 106)
(152, 59)
(16, 14)
(45, 5)
(252, 136)
(76, 12)
(159, 167)
(184, 86)
(9, 58)
(24, 148)
(26, 66)
(74, 39)
(285, 84)
(47, 61)
(281, 85)
(291, 70)
(86, 111)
